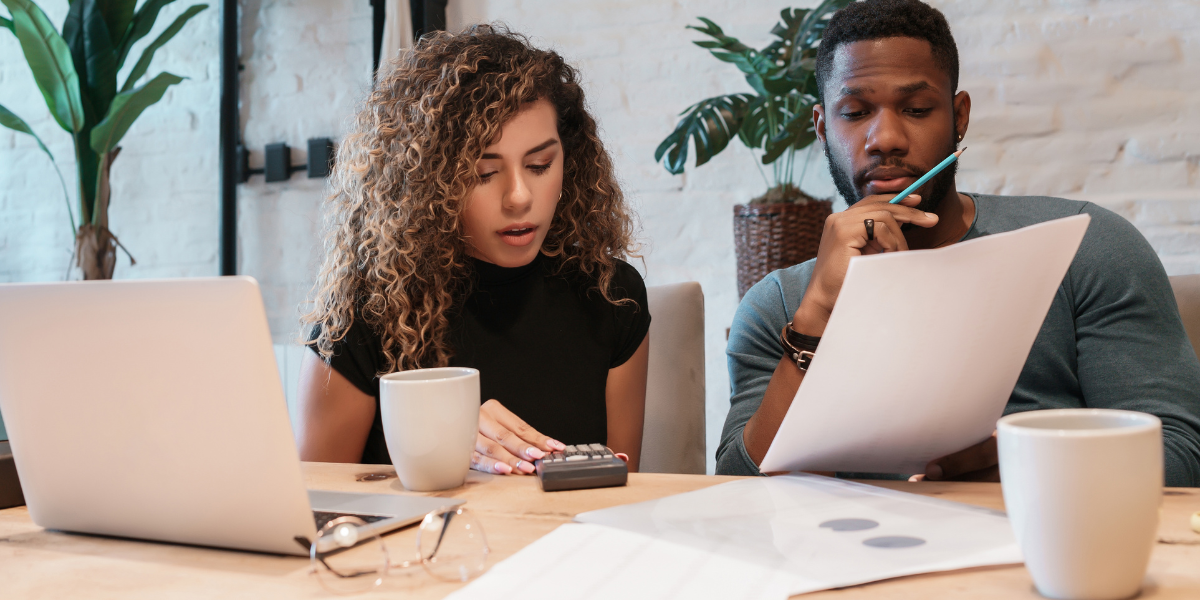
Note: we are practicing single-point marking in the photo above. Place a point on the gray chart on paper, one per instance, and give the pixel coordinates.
(893, 541)
(849, 524)
(887, 541)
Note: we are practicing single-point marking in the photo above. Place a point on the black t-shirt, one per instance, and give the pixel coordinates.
(543, 343)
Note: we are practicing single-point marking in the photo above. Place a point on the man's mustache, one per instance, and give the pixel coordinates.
(860, 178)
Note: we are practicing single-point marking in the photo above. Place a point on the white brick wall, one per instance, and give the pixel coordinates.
(1083, 99)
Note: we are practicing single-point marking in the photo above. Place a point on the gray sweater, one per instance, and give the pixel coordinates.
(1112, 339)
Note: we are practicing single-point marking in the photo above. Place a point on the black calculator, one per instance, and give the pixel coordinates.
(581, 466)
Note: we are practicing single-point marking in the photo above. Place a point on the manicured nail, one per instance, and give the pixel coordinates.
(524, 466)
(931, 215)
(534, 453)
(503, 468)
(557, 445)
(933, 472)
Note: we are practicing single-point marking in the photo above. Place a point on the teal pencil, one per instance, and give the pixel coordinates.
(926, 177)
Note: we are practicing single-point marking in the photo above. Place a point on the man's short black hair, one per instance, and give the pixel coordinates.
(877, 19)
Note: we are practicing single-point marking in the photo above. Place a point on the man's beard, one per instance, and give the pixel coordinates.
(938, 187)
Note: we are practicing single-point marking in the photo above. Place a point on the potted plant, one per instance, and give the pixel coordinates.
(782, 227)
(76, 72)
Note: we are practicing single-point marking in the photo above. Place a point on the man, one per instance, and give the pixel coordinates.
(890, 110)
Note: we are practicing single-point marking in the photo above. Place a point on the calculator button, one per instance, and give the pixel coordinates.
(570, 450)
(597, 448)
(575, 457)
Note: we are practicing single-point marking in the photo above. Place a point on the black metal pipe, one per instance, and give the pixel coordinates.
(433, 17)
(228, 137)
(378, 16)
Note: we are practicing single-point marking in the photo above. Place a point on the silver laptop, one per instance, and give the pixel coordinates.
(154, 410)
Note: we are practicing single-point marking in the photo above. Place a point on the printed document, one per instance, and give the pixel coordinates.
(755, 539)
(922, 352)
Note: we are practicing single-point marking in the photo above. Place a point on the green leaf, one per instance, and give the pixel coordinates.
(710, 124)
(100, 79)
(733, 51)
(7, 24)
(50, 60)
(714, 31)
(797, 133)
(15, 123)
(12, 121)
(126, 108)
(143, 63)
(779, 85)
(756, 126)
(117, 16)
(87, 164)
(139, 27)
(812, 28)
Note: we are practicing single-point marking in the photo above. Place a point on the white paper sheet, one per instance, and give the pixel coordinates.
(790, 525)
(922, 351)
(578, 561)
(754, 539)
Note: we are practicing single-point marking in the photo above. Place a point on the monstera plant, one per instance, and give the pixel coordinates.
(781, 227)
(76, 71)
(777, 117)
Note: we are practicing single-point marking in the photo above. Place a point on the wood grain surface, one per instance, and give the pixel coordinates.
(514, 512)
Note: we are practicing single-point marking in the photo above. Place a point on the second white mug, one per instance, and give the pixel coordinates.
(1083, 488)
(430, 420)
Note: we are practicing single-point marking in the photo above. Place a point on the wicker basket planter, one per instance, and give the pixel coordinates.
(767, 237)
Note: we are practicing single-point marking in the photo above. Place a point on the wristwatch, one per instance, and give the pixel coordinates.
(798, 347)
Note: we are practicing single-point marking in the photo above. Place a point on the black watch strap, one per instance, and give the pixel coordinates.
(798, 347)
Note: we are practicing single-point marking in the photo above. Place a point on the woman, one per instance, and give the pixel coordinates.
(476, 222)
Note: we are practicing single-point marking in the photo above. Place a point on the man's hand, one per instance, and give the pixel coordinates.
(977, 463)
(505, 444)
(844, 237)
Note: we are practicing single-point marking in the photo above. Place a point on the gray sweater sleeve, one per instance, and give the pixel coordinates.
(753, 353)
(1133, 352)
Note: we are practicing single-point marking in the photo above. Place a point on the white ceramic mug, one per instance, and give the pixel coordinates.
(430, 420)
(1083, 488)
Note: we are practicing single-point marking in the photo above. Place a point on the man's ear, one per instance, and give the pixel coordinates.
(962, 114)
(819, 122)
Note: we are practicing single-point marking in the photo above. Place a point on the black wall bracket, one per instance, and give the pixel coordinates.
(278, 161)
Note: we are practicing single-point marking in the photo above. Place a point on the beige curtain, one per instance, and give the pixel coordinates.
(397, 32)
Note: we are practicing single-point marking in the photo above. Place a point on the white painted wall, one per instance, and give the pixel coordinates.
(1083, 99)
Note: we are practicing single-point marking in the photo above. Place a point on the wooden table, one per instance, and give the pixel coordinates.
(38, 564)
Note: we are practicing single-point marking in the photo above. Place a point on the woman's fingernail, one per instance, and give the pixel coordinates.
(931, 215)
(525, 467)
(534, 453)
(503, 468)
(557, 445)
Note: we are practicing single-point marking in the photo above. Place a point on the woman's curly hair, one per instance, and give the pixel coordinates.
(395, 254)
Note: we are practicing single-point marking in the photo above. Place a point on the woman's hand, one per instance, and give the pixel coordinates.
(505, 444)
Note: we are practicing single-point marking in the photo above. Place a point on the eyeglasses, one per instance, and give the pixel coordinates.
(450, 546)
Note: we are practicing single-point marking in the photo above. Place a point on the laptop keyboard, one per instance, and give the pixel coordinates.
(322, 517)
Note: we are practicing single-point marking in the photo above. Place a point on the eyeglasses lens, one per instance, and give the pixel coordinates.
(452, 545)
(345, 564)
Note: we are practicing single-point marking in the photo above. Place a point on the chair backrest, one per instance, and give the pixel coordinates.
(673, 438)
(1187, 296)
